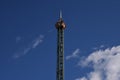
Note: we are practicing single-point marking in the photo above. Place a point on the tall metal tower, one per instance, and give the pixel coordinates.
(60, 26)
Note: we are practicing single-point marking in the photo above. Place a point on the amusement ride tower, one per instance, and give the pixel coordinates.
(60, 26)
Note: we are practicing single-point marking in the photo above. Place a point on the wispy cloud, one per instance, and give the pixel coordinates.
(37, 41)
(27, 48)
(83, 78)
(74, 54)
(100, 47)
(105, 64)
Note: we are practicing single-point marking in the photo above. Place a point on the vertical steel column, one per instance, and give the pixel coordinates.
(60, 53)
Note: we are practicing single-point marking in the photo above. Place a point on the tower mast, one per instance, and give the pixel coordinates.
(60, 26)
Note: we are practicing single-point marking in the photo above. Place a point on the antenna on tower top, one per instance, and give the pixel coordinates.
(60, 14)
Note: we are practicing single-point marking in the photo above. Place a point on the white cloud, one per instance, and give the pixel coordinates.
(32, 45)
(37, 41)
(105, 64)
(100, 47)
(95, 76)
(83, 78)
(74, 54)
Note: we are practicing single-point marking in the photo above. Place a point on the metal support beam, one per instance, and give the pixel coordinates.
(60, 54)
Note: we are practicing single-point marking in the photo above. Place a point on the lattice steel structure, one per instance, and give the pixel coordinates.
(60, 26)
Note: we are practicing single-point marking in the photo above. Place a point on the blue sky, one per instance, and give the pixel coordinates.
(28, 38)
